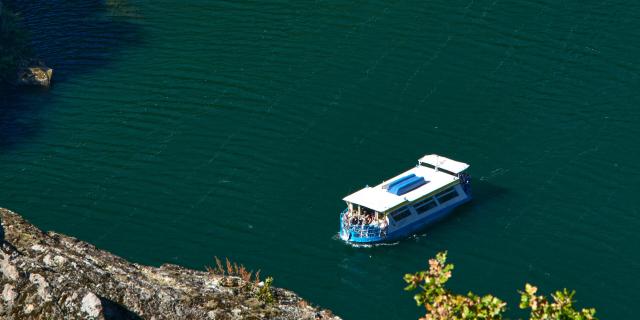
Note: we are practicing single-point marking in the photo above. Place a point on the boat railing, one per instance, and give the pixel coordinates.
(367, 231)
(362, 230)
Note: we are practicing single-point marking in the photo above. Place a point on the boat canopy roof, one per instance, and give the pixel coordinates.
(443, 163)
(408, 186)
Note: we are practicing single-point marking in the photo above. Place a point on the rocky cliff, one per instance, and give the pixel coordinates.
(47, 275)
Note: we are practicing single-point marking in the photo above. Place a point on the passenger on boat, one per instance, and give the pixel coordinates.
(384, 223)
(364, 217)
(368, 219)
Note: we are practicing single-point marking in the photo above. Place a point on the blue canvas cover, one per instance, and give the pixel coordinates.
(408, 183)
(400, 180)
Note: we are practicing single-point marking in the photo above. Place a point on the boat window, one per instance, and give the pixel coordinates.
(425, 205)
(400, 214)
(447, 195)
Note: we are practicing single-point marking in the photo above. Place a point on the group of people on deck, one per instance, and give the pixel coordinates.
(362, 216)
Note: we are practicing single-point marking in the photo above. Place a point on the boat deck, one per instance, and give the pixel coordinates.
(380, 199)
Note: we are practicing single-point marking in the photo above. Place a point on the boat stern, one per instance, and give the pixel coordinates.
(360, 234)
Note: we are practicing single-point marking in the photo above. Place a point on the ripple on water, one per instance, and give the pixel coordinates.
(234, 129)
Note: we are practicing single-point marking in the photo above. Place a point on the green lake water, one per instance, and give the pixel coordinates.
(179, 131)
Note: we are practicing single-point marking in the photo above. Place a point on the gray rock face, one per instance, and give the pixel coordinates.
(53, 276)
(42, 286)
(8, 270)
(9, 294)
(91, 305)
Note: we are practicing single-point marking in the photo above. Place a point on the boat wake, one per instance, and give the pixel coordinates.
(363, 245)
(418, 236)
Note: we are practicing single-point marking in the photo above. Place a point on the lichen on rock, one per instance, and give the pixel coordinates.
(47, 275)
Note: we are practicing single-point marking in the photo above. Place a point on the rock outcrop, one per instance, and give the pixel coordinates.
(17, 63)
(34, 74)
(47, 275)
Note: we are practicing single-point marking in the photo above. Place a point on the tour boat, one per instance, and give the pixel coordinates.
(406, 203)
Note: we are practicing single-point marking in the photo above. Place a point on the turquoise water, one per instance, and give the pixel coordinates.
(178, 132)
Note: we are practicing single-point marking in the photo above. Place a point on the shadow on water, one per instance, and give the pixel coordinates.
(483, 193)
(116, 311)
(19, 118)
(73, 38)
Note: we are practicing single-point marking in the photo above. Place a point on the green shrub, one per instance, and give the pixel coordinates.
(264, 293)
(442, 304)
(561, 307)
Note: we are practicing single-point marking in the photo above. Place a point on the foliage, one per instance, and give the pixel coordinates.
(264, 293)
(234, 269)
(13, 43)
(561, 308)
(442, 304)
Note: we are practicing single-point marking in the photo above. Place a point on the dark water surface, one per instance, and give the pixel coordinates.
(177, 132)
